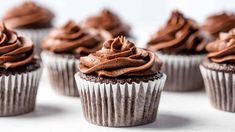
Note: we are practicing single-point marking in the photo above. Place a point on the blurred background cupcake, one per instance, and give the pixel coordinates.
(181, 47)
(120, 85)
(218, 70)
(30, 19)
(62, 49)
(20, 72)
(217, 23)
(107, 25)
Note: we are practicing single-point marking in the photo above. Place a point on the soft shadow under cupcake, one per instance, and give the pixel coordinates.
(44, 110)
(195, 91)
(168, 121)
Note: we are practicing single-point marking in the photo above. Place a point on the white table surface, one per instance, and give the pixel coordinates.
(184, 112)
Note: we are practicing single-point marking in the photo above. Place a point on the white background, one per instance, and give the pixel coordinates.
(184, 112)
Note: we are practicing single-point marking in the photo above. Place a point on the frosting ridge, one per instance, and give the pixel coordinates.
(28, 15)
(120, 57)
(179, 35)
(72, 39)
(15, 50)
(107, 24)
(217, 23)
(222, 49)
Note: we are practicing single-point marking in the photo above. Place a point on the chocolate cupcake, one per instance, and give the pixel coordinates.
(222, 22)
(62, 49)
(181, 46)
(20, 72)
(218, 71)
(30, 19)
(107, 25)
(120, 85)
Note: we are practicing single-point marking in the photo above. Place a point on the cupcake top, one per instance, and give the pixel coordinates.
(107, 24)
(71, 39)
(28, 15)
(15, 51)
(217, 23)
(179, 36)
(222, 50)
(120, 57)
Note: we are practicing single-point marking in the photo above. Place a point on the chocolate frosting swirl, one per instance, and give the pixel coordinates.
(28, 15)
(179, 35)
(15, 50)
(120, 57)
(107, 24)
(217, 23)
(223, 49)
(71, 39)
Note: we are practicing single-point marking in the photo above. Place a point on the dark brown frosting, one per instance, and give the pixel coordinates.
(223, 49)
(28, 15)
(119, 57)
(217, 23)
(71, 39)
(179, 35)
(15, 50)
(107, 24)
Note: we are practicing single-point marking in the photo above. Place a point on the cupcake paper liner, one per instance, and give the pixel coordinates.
(18, 92)
(220, 86)
(183, 73)
(37, 35)
(61, 69)
(120, 105)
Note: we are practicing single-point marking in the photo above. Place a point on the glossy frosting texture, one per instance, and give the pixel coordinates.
(119, 57)
(179, 35)
(107, 24)
(15, 50)
(223, 49)
(71, 39)
(217, 23)
(28, 15)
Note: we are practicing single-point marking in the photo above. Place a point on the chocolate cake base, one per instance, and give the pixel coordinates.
(221, 67)
(219, 83)
(34, 65)
(121, 80)
(186, 52)
(183, 73)
(120, 102)
(61, 69)
(18, 89)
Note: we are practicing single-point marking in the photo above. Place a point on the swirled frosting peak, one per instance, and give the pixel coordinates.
(15, 51)
(28, 15)
(217, 23)
(119, 57)
(71, 39)
(107, 24)
(179, 35)
(222, 49)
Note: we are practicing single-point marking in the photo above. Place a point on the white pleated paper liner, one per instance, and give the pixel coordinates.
(18, 93)
(183, 73)
(37, 35)
(120, 105)
(220, 87)
(61, 69)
